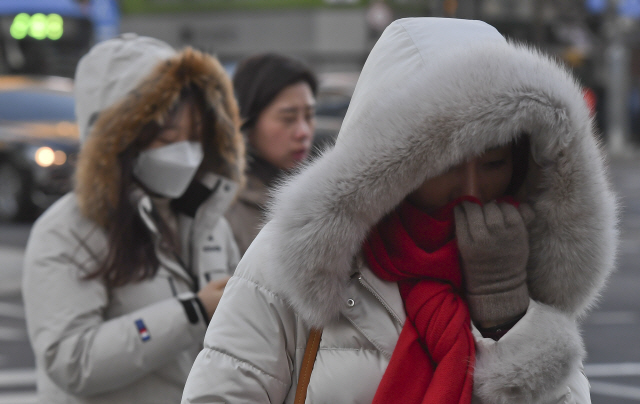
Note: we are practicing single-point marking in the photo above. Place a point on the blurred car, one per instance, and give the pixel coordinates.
(38, 143)
(334, 94)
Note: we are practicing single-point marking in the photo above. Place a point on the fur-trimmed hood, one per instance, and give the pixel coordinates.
(117, 126)
(432, 93)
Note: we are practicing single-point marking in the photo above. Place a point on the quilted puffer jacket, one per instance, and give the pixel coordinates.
(95, 343)
(432, 93)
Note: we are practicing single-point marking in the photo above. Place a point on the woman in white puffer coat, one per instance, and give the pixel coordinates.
(122, 275)
(461, 226)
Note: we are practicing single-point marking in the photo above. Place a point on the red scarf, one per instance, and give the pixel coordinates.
(433, 360)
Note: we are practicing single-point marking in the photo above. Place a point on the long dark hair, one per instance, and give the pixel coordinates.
(131, 255)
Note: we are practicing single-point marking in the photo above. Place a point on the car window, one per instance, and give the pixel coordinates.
(31, 105)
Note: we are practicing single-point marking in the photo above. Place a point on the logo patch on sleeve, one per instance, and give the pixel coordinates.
(142, 330)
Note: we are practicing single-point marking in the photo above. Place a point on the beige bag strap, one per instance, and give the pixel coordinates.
(308, 360)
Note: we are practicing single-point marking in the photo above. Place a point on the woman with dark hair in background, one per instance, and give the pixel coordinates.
(122, 275)
(276, 95)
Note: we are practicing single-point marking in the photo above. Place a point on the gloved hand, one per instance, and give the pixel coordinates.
(494, 248)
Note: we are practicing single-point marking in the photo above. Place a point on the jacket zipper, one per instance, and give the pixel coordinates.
(368, 287)
(149, 217)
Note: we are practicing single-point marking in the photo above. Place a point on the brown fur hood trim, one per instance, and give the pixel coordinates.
(98, 173)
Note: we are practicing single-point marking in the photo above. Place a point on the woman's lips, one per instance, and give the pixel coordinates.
(300, 154)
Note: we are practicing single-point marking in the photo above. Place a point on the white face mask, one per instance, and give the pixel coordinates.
(168, 170)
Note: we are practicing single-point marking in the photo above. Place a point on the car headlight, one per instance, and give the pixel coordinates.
(59, 157)
(45, 156)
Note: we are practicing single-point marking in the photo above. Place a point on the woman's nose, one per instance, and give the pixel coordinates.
(303, 129)
(470, 180)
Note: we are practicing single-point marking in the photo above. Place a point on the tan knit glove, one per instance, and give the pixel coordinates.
(494, 249)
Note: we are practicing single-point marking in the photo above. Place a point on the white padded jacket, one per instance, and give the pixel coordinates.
(432, 93)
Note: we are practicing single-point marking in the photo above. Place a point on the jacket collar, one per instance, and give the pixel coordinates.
(261, 176)
(206, 218)
(260, 168)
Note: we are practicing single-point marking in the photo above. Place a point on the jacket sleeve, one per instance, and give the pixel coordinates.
(538, 361)
(248, 350)
(72, 342)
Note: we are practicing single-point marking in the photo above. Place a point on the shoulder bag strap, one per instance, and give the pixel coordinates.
(308, 360)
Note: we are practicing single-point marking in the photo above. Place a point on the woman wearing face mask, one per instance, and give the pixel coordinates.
(122, 275)
(276, 95)
(446, 245)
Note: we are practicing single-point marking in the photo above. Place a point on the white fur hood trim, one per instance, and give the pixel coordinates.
(432, 93)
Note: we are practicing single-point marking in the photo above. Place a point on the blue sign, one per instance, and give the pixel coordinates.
(106, 19)
(629, 8)
(596, 6)
(63, 7)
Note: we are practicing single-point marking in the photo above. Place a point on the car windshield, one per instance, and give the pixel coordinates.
(34, 105)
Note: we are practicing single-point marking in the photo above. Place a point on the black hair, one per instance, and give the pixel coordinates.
(260, 78)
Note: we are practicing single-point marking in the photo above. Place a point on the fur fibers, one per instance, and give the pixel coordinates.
(98, 172)
(504, 372)
(321, 216)
(415, 113)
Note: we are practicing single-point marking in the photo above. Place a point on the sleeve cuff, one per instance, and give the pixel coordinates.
(499, 307)
(194, 309)
(537, 356)
(498, 331)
